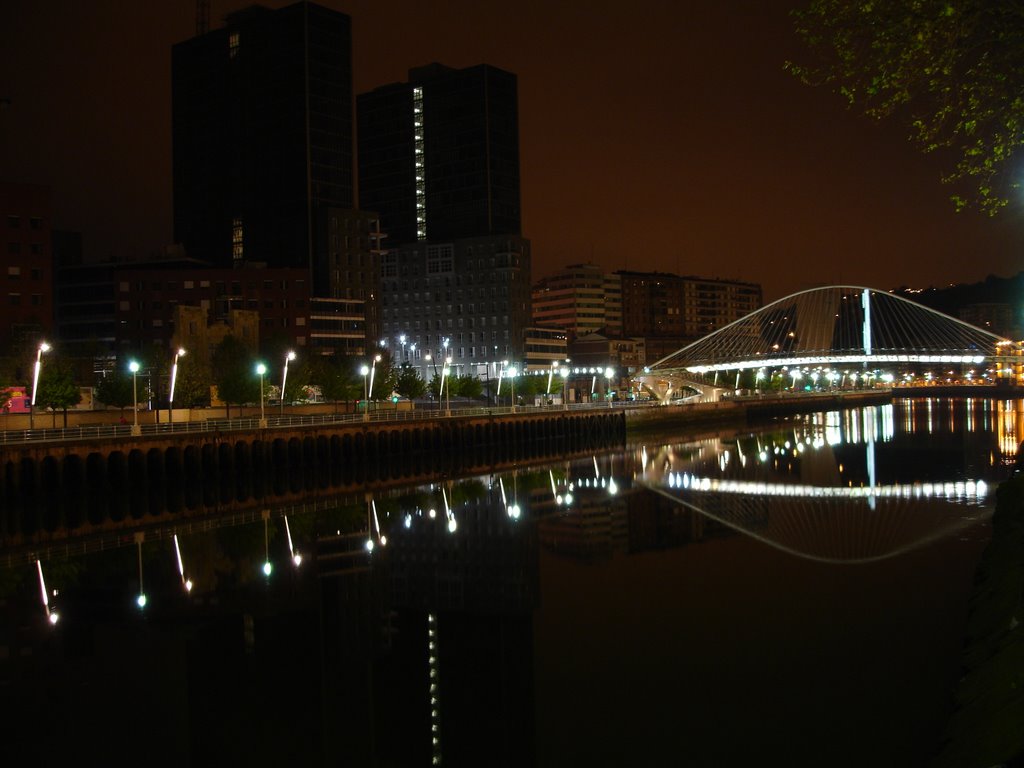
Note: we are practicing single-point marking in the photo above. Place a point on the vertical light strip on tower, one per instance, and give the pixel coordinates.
(866, 303)
(421, 176)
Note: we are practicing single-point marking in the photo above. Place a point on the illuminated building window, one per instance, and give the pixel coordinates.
(233, 41)
(418, 161)
(237, 240)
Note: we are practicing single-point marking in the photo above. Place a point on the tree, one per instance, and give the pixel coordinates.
(953, 70)
(337, 379)
(57, 389)
(116, 390)
(234, 373)
(469, 387)
(410, 384)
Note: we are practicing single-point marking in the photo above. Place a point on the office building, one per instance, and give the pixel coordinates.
(262, 134)
(439, 154)
(580, 299)
(26, 264)
(468, 299)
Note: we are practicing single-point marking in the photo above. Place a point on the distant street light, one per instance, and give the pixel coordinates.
(445, 372)
(284, 377)
(401, 340)
(373, 372)
(261, 369)
(43, 347)
(174, 378)
(565, 388)
(365, 371)
(608, 373)
(133, 366)
(512, 373)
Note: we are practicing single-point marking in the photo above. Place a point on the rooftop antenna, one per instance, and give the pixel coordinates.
(202, 17)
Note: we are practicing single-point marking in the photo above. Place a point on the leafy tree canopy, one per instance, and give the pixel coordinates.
(410, 384)
(234, 372)
(115, 389)
(953, 70)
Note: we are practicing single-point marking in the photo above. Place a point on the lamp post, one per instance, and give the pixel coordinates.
(446, 389)
(512, 373)
(608, 373)
(261, 369)
(565, 388)
(284, 376)
(373, 371)
(133, 366)
(365, 371)
(401, 340)
(43, 347)
(174, 378)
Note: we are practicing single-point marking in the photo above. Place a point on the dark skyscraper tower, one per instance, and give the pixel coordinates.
(439, 155)
(262, 132)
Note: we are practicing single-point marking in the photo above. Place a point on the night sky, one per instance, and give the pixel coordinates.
(654, 136)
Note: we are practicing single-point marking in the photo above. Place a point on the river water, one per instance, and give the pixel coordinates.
(792, 594)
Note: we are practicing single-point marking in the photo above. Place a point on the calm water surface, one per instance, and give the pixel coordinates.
(790, 595)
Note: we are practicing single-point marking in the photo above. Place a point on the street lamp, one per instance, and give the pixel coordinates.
(365, 371)
(261, 369)
(512, 372)
(284, 377)
(565, 388)
(608, 373)
(373, 371)
(43, 347)
(447, 389)
(401, 340)
(133, 366)
(174, 378)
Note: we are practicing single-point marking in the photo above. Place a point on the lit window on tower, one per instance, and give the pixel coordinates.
(421, 183)
(237, 246)
(233, 44)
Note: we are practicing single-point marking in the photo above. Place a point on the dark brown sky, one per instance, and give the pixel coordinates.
(654, 136)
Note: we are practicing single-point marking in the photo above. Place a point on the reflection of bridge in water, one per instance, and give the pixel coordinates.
(827, 338)
(813, 490)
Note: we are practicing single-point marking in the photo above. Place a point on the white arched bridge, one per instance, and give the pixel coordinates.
(827, 337)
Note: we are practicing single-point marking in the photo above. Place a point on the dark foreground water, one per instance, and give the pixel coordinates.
(793, 595)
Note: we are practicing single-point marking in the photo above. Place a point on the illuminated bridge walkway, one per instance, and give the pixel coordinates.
(829, 337)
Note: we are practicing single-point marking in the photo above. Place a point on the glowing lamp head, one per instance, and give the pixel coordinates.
(133, 366)
(297, 559)
(188, 585)
(44, 347)
(267, 568)
(452, 525)
(54, 617)
(369, 545)
(365, 370)
(290, 356)
(141, 600)
(564, 372)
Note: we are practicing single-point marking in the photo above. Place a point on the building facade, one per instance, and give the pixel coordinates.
(26, 264)
(439, 154)
(580, 299)
(439, 162)
(262, 134)
(468, 299)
